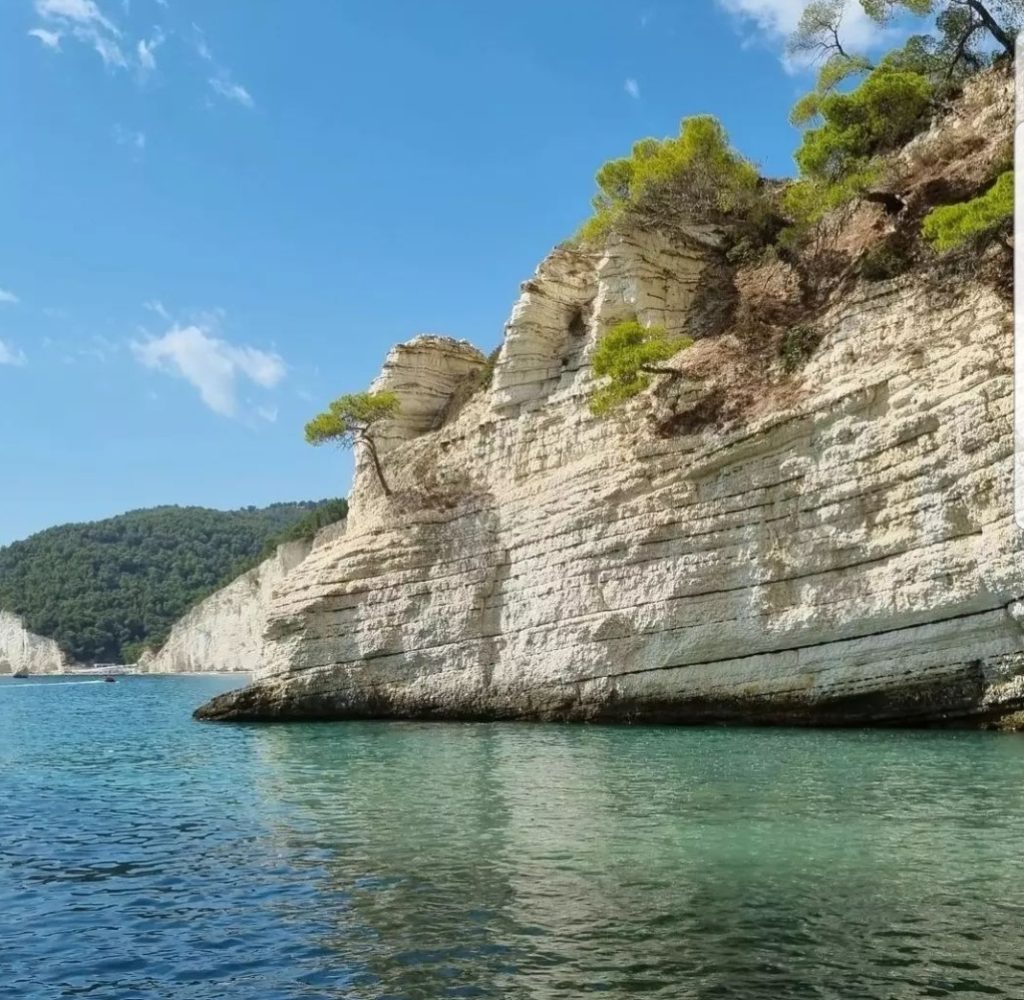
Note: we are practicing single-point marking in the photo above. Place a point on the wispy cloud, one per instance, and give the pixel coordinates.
(268, 413)
(8, 297)
(210, 364)
(105, 47)
(84, 21)
(146, 52)
(85, 12)
(99, 348)
(221, 82)
(10, 355)
(201, 45)
(231, 91)
(49, 39)
(132, 139)
(632, 88)
(156, 306)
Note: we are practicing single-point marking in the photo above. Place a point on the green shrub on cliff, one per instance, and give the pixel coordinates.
(886, 110)
(839, 159)
(950, 226)
(798, 344)
(352, 420)
(627, 356)
(695, 176)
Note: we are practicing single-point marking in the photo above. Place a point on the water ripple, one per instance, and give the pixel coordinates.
(144, 855)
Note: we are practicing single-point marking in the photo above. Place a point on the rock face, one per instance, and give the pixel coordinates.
(427, 373)
(22, 651)
(225, 631)
(845, 554)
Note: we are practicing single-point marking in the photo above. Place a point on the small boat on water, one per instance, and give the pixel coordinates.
(20, 675)
(109, 679)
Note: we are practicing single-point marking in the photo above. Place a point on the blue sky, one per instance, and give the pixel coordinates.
(217, 216)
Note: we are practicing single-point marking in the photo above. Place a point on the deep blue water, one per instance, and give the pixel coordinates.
(145, 855)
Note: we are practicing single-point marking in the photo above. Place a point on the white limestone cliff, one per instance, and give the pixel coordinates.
(23, 651)
(843, 552)
(224, 632)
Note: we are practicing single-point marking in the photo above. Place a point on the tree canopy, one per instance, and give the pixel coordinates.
(964, 29)
(888, 108)
(959, 21)
(106, 588)
(849, 131)
(697, 173)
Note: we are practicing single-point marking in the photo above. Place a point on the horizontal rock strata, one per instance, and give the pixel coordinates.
(848, 556)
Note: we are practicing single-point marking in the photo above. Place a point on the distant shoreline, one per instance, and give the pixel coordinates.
(131, 673)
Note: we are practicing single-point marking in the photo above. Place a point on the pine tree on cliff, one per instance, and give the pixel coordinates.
(965, 28)
(352, 420)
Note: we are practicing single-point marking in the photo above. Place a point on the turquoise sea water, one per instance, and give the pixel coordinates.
(145, 855)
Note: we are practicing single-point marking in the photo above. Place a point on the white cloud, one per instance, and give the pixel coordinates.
(211, 365)
(230, 91)
(87, 23)
(6, 296)
(147, 61)
(156, 306)
(11, 355)
(268, 413)
(50, 39)
(632, 88)
(126, 137)
(85, 12)
(201, 47)
(146, 52)
(775, 20)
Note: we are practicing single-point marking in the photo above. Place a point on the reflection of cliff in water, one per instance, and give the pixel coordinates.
(521, 861)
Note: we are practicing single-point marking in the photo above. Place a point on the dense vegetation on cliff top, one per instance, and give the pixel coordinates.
(855, 121)
(108, 588)
(699, 177)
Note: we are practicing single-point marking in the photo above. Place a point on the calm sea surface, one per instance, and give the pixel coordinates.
(145, 855)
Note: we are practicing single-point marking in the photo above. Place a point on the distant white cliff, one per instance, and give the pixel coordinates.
(225, 631)
(21, 650)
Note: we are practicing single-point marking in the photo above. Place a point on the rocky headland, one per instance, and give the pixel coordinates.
(24, 652)
(810, 523)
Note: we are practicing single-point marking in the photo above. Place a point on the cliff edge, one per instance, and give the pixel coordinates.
(825, 541)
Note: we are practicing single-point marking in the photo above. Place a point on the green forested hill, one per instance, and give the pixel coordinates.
(106, 588)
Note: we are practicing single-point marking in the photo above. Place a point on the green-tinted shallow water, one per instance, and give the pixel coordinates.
(145, 855)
